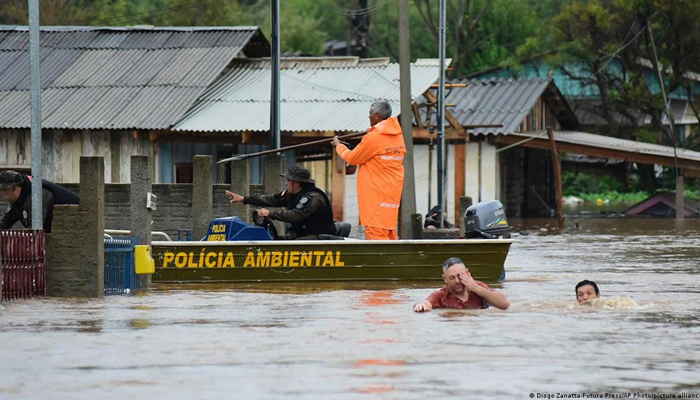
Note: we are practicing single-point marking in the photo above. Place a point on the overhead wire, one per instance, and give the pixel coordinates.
(359, 11)
(612, 56)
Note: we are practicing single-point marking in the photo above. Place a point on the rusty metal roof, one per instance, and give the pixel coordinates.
(318, 94)
(117, 78)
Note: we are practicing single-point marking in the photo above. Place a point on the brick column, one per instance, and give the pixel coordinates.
(141, 217)
(240, 183)
(273, 167)
(75, 257)
(202, 196)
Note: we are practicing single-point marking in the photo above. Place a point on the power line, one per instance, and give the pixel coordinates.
(616, 52)
(360, 11)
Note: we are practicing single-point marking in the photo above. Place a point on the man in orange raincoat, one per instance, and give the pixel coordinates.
(380, 177)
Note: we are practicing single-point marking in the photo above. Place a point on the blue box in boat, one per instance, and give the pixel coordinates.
(233, 228)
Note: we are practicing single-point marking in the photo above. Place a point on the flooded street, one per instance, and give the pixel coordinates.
(354, 341)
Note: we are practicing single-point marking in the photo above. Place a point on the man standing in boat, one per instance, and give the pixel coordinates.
(16, 189)
(461, 291)
(307, 207)
(380, 156)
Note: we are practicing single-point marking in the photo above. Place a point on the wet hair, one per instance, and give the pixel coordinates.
(381, 107)
(450, 262)
(586, 283)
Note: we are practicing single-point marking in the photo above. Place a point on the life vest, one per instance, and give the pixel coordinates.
(320, 222)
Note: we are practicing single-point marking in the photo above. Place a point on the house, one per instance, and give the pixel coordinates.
(585, 100)
(519, 177)
(663, 204)
(109, 91)
(320, 97)
(512, 163)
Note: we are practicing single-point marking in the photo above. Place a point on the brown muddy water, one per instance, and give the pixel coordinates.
(362, 341)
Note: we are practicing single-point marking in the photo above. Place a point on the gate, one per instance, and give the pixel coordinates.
(120, 268)
(22, 255)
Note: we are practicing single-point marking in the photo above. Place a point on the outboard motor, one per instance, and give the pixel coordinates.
(486, 220)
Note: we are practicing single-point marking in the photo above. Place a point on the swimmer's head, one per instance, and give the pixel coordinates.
(587, 290)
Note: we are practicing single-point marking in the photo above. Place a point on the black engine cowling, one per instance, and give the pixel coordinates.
(486, 220)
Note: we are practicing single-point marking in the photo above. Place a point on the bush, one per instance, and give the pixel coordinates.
(578, 184)
(614, 197)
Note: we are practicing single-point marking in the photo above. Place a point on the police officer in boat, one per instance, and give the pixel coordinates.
(305, 207)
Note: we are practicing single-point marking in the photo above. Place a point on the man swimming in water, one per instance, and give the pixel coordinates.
(461, 291)
(586, 291)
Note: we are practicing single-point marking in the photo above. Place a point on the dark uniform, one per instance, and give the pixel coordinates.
(21, 210)
(308, 213)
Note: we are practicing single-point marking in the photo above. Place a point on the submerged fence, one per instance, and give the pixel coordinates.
(22, 259)
(120, 267)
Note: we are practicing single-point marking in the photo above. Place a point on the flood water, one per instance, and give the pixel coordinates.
(362, 341)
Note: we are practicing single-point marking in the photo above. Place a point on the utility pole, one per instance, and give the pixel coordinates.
(408, 196)
(441, 118)
(35, 100)
(275, 141)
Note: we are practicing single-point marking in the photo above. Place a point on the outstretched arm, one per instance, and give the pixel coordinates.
(360, 154)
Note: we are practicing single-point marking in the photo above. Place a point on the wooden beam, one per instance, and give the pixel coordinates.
(450, 134)
(448, 115)
(246, 137)
(417, 116)
(556, 166)
(448, 85)
(338, 186)
(460, 180)
(599, 152)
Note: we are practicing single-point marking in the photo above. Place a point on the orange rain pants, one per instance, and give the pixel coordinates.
(372, 233)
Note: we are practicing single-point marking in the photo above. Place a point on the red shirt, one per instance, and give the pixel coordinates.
(443, 298)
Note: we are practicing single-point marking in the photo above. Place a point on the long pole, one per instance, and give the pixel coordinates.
(275, 87)
(287, 148)
(35, 100)
(408, 196)
(441, 117)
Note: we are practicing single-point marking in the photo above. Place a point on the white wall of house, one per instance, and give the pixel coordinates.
(62, 150)
(482, 175)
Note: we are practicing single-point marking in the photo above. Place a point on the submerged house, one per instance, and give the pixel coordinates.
(513, 163)
(484, 169)
(109, 91)
(320, 97)
(663, 205)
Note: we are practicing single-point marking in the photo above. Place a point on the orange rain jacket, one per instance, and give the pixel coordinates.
(380, 177)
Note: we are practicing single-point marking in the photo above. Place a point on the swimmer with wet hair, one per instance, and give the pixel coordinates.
(587, 290)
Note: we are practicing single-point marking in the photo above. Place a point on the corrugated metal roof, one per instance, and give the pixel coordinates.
(502, 101)
(313, 99)
(606, 142)
(588, 112)
(496, 101)
(116, 77)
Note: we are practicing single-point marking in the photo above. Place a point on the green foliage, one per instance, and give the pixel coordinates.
(576, 184)
(615, 197)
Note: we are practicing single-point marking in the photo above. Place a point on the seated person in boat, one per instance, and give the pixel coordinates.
(586, 291)
(305, 207)
(461, 291)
